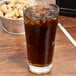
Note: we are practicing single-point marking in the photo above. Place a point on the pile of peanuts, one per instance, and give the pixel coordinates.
(13, 8)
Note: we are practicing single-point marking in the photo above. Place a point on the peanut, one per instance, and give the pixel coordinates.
(20, 1)
(1, 13)
(21, 13)
(16, 12)
(10, 15)
(10, 5)
(4, 9)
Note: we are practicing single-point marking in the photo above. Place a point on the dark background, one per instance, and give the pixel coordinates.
(67, 7)
(67, 3)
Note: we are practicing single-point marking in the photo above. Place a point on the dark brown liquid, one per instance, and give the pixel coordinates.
(40, 37)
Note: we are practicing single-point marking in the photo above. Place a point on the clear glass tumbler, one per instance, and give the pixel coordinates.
(40, 23)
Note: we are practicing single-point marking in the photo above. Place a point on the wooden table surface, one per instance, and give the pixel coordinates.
(13, 53)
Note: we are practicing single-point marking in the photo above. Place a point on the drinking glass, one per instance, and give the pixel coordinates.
(40, 23)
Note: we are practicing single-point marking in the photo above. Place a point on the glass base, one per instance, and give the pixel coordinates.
(40, 70)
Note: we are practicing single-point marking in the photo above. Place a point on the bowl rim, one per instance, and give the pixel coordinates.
(11, 18)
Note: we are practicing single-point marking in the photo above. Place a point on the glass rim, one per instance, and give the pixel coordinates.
(25, 11)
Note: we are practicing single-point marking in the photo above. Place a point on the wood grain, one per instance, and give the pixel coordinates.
(13, 60)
